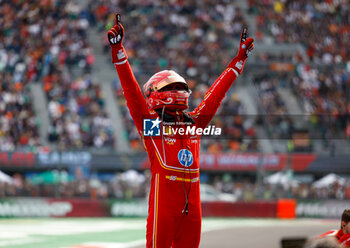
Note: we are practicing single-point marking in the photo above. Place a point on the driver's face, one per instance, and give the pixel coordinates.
(346, 227)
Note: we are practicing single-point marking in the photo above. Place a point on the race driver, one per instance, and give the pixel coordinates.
(343, 234)
(174, 214)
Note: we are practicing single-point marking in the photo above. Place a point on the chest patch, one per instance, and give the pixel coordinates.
(185, 157)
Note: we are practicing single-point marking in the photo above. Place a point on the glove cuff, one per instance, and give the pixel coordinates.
(119, 56)
(237, 65)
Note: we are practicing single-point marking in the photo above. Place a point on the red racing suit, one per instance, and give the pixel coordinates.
(174, 215)
(333, 233)
(343, 239)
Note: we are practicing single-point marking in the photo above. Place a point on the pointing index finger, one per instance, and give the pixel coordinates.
(117, 19)
(244, 34)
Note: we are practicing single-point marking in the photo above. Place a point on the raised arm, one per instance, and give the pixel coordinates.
(213, 98)
(131, 89)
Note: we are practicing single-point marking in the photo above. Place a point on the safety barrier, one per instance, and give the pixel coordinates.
(261, 209)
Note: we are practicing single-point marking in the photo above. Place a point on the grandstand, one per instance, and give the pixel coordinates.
(65, 131)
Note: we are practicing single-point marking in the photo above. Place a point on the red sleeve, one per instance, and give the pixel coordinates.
(213, 98)
(345, 240)
(339, 234)
(133, 95)
(336, 233)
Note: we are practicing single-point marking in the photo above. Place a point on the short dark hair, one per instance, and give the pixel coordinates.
(346, 215)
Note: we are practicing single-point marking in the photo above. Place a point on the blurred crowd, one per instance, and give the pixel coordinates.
(18, 122)
(272, 106)
(325, 96)
(248, 190)
(238, 128)
(46, 42)
(305, 22)
(321, 83)
(76, 110)
(122, 185)
(136, 184)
